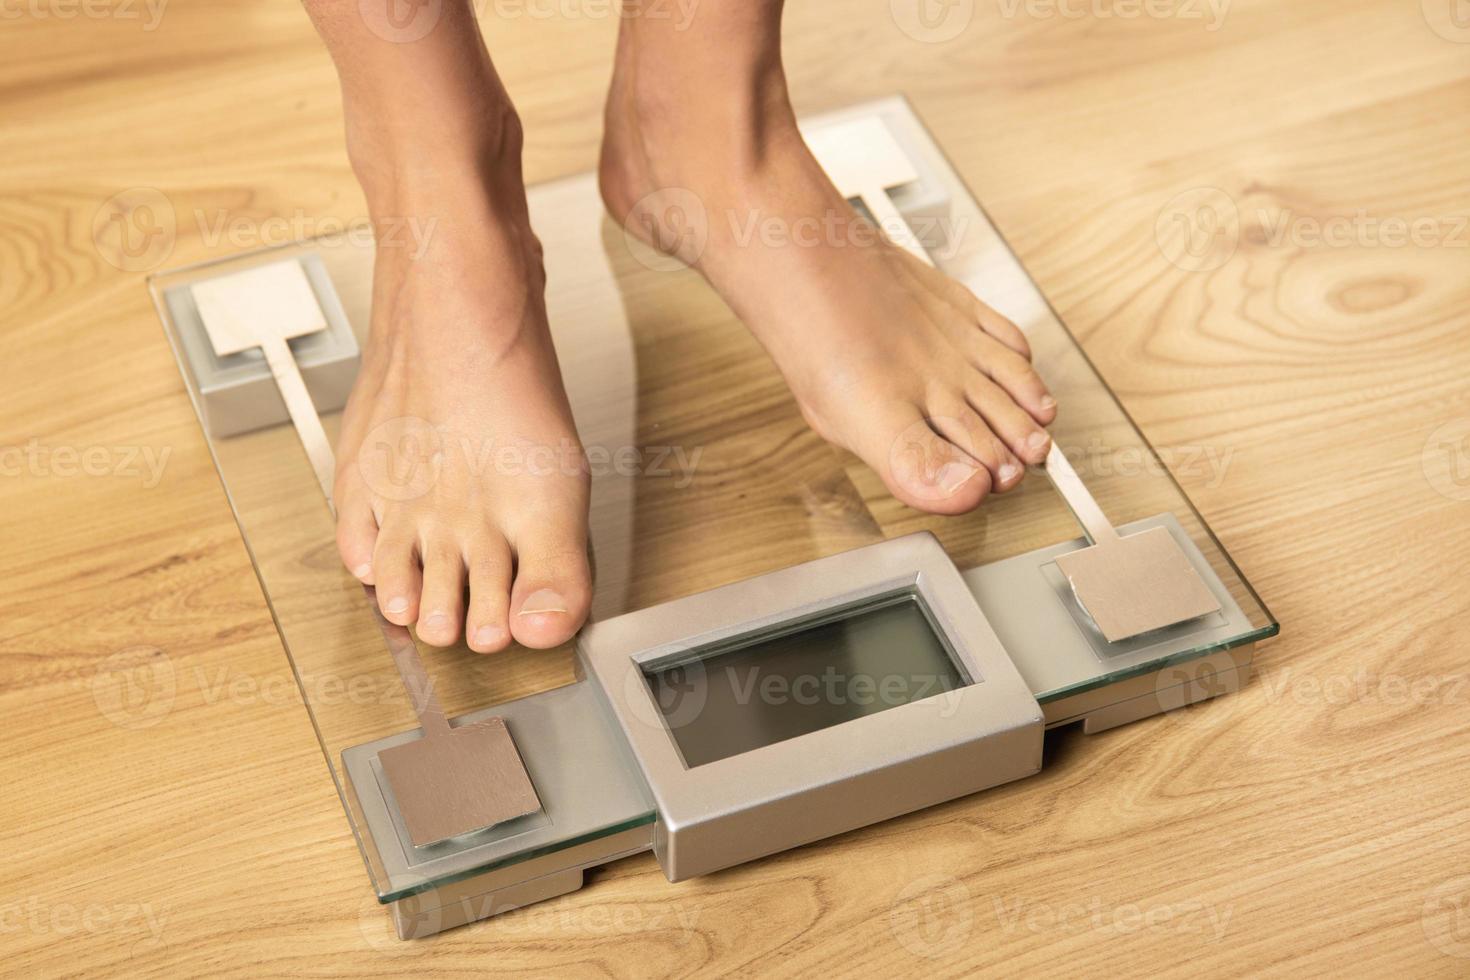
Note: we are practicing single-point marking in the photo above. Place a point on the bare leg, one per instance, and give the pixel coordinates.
(458, 463)
(886, 356)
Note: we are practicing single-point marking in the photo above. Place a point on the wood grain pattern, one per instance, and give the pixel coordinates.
(166, 809)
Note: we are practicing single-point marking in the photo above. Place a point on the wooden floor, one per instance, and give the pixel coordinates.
(1318, 821)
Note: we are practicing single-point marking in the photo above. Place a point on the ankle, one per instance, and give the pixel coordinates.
(702, 92)
(404, 164)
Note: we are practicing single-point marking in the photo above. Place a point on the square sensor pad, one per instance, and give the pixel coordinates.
(235, 392)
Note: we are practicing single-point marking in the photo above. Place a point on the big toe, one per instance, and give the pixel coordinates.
(553, 590)
(924, 469)
(357, 532)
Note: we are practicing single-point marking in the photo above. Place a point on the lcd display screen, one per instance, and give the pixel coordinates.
(751, 693)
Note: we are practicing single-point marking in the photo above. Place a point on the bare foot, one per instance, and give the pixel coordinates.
(458, 462)
(886, 356)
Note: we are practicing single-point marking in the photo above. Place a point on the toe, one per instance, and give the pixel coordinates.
(357, 534)
(1014, 375)
(962, 426)
(397, 576)
(552, 590)
(1002, 329)
(1016, 427)
(487, 629)
(924, 469)
(968, 307)
(441, 609)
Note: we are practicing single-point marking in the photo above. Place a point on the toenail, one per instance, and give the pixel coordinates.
(954, 475)
(1048, 403)
(363, 570)
(1009, 472)
(398, 605)
(436, 620)
(488, 636)
(1037, 440)
(543, 601)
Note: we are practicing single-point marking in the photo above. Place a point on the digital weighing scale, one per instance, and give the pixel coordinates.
(778, 650)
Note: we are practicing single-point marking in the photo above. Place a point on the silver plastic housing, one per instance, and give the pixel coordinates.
(836, 779)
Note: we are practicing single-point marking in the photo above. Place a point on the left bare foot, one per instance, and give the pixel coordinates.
(886, 356)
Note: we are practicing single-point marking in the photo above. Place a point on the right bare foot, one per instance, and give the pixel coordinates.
(458, 461)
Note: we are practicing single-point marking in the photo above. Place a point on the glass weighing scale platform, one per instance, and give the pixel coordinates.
(778, 651)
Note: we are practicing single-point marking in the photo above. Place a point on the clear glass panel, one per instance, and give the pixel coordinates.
(704, 474)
